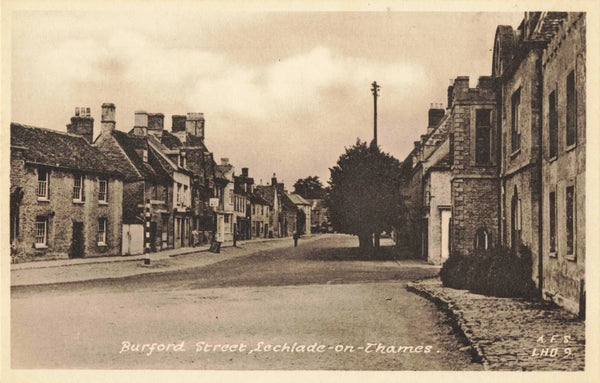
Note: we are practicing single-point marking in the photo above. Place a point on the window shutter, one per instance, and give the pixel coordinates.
(106, 190)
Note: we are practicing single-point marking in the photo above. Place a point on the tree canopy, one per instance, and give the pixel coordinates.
(364, 192)
(309, 187)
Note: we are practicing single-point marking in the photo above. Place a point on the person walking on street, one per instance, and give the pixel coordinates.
(296, 236)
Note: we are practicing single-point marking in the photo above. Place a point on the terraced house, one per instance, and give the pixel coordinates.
(157, 200)
(65, 196)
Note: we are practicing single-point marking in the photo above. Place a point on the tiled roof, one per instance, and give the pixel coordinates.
(266, 193)
(286, 202)
(53, 148)
(256, 198)
(129, 144)
(298, 199)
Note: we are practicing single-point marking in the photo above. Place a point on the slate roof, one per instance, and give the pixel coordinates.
(171, 141)
(59, 149)
(266, 193)
(257, 199)
(286, 202)
(298, 199)
(129, 144)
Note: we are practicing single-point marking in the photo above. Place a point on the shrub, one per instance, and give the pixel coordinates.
(498, 272)
(454, 272)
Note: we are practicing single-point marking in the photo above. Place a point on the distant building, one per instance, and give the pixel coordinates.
(306, 207)
(65, 196)
(224, 185)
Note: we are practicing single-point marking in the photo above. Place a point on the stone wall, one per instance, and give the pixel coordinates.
(564, 273)
(61, 211)
(474, 187)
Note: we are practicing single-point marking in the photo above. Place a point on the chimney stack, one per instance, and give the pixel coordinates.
(224, 161)
(178, 124)
(108, 118)
(82, 124)
(274, 180)
(194, 124)
(140, 125)
(156, 122)
(245, 172)
(436, 114)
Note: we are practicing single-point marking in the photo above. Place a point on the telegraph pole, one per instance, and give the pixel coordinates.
(375, 91)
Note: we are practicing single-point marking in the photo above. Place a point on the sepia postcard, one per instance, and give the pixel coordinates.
(290, 192)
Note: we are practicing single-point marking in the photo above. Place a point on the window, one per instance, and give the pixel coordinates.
(102, 232)
(145, 155)
(185, 193)
(482, 136)
(226, 218)
(482, 241)
(103, 190)
(552, 233)
(552, 126)
(78, 188)
(41, 232)
(571, 110)
(570, 229)
(178, 192)
(230, 196)
(43, 182)
(515, 132)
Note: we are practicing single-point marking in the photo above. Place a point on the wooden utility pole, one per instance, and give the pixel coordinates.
(375, 91)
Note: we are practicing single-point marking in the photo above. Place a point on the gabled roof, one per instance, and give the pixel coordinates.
(266, 193)
(172, 141)
(286, 202)
(257, 199)
(129, 144)
(298, 199)
(57, 149)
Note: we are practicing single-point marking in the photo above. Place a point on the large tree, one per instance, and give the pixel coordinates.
(364, 197)
(309, 187)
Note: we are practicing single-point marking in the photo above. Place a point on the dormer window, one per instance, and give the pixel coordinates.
(145, 155)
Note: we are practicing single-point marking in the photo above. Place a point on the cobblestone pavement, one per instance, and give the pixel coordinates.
(506, 333)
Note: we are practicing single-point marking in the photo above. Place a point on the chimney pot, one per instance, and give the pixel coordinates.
(82, 125)
(224, 161)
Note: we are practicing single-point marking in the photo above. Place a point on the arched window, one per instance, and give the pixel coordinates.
(482, 239)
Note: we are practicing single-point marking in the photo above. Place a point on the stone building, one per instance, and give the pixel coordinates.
(260, 213)
(157, 200)
(65, 197)
(303, 226)
(224, 184)
(425, 187)
(241, 193)
(272, 195)
(563, 104)
(318, 214)
(185, 144)
(516, 147)
(473, 156)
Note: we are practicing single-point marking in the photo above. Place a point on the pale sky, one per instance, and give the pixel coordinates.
(281, 92)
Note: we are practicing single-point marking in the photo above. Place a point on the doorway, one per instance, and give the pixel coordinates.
(77, 249)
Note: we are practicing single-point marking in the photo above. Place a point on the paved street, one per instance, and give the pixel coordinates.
(319, 306)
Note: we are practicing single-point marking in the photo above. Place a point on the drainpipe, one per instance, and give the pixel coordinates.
(540, 158)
